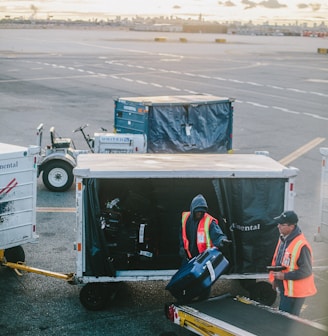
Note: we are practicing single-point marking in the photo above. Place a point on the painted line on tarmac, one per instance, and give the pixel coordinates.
(301, 151)
(44, 78)
(55, 209)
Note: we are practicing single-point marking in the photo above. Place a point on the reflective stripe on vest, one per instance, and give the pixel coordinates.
(202, 232)
(295, 288)
(185, 216)
(207, 223)
(293, 265)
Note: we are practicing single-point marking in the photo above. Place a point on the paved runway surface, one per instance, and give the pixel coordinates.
(66, 78)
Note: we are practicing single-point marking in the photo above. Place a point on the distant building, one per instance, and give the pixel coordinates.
(204, 28)
(159, 27)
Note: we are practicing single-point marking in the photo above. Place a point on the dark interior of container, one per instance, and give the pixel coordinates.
(135, 223)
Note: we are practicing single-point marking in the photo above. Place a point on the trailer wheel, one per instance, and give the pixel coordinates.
(93, 296)
(15, 254)
(247, 284)
(263, 293)
(58, 175)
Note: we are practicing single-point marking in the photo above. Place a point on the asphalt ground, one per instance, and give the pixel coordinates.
(66, 78)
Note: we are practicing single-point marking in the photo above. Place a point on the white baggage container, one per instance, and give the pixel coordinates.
(129, 213)
(18, 180)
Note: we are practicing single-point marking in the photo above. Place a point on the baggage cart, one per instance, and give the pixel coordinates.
(129, 214)
(178, 124)
(18, 191)
(18, 180)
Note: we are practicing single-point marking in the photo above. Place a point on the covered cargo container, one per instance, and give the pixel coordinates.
(178, 124)
(129, 210)
(18, 181)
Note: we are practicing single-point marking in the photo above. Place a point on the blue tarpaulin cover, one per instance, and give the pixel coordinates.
(178, 124)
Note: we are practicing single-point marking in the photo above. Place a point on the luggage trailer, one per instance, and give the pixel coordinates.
(18, 192)
(227, 315)
(171, 168)
(100, 178)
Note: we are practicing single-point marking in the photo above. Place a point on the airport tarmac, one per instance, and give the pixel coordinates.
(66, 78)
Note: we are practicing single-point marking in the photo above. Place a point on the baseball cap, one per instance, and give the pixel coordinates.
(288, 217)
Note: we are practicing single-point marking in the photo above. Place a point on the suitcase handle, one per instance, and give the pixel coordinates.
(200, 258)
(203, 256)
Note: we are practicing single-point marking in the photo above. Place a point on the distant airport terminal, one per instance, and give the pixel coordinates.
(165, 24)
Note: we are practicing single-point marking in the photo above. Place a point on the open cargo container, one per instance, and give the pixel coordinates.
(178, 124)
(129, 212)
(18, 181)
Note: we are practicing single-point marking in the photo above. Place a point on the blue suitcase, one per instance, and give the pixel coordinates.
(198, 275)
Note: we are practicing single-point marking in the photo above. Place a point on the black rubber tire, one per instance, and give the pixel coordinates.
(94, 296)
(58, 175)
(247, 284)
(263, 293)
(15, 254)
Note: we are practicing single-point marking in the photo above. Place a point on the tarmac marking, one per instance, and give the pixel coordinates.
(102, 75)
(301, 151)
(173, 88)
(320, 94)
(191, 91)
(253, 83)
(296, 90)
(283, 109)
(257, 104)
(55, 209)
(315, 116)
(43, 78)
(317, 80)
(234, 80)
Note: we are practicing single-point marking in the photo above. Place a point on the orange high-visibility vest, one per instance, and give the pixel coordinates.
(203, 233)
(295, 288)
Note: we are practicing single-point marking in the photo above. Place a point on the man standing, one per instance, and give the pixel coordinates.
(200, 230)
(293, 254)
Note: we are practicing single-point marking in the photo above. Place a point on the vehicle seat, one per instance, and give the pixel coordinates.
(58, 142)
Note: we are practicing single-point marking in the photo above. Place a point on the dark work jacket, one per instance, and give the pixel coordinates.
(216, 233)
(304, 261)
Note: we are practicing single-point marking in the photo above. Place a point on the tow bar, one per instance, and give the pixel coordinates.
(20, 266)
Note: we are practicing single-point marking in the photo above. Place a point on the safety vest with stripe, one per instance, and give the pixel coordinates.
(295, 288)
(203, 233)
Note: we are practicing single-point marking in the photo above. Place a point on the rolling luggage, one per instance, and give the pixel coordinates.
(196, 277)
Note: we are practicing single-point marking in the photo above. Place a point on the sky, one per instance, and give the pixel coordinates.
(210, 10)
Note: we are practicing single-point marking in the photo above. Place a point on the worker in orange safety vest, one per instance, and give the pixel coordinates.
(199, 230)
(294, 281)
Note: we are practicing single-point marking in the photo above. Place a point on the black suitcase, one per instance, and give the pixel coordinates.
(197, 276)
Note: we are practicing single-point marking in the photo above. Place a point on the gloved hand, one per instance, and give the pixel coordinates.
(224, 243)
